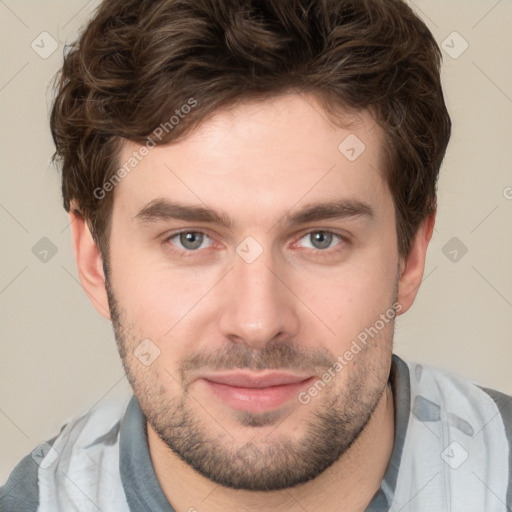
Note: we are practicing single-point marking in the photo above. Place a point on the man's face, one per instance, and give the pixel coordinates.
(271, 292)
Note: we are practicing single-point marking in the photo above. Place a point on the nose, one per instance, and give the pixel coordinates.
(258, 306)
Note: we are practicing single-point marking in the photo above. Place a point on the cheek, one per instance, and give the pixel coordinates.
(351, 300)
(160, 302)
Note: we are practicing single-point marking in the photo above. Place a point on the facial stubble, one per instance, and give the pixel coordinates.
(265, 462)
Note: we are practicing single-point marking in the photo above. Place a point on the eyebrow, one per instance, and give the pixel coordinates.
(163, 209)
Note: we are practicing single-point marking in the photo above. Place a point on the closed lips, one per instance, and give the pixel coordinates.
(253, 380)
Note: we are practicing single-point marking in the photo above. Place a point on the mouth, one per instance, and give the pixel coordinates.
(256, 392)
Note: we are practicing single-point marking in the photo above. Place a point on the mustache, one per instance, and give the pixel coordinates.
(278, 355)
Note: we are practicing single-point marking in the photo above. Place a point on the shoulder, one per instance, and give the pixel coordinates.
(81, 460)
(21, 491)
(466, 406)
(458, 446)
(504, 404)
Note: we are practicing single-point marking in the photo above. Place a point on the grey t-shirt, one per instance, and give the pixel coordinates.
(452, 451)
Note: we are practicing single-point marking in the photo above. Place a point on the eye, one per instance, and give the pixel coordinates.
(189, 240)
(321, 240)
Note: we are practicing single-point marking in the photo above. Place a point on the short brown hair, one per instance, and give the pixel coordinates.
(137, 61)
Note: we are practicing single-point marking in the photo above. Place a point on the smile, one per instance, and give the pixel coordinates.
(250, 392)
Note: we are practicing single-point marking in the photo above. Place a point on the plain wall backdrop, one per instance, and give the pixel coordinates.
(59, 356)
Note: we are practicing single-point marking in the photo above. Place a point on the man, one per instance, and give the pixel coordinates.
(252, 190)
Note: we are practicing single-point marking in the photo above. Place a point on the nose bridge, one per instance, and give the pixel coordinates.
(257, 306)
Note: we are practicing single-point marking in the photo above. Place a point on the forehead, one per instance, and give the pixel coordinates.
(280, 151)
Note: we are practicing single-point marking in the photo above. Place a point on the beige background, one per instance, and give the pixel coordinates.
(59, 356)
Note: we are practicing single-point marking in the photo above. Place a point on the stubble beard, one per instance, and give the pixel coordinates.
(263, 463)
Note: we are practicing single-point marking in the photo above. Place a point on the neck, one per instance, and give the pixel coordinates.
(348, 485)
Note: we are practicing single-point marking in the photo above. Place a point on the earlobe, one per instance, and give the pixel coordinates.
(89, 263)
(413, 266)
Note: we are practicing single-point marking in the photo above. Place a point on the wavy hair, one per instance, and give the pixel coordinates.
(137, 61)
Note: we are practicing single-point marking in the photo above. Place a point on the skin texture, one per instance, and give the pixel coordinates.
(298, 306)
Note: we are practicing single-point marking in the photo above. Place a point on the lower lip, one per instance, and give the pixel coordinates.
(256, 399)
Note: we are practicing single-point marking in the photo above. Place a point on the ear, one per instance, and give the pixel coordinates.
(90, 264)
(411, 269)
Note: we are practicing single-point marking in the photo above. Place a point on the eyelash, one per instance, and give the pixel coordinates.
(183, 252)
